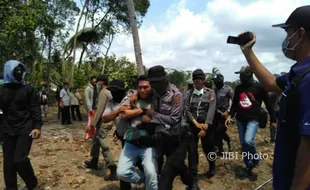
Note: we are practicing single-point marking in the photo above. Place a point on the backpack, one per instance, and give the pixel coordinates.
(263, 118)
(291, 105)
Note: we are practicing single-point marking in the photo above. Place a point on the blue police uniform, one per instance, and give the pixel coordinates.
(288, 134)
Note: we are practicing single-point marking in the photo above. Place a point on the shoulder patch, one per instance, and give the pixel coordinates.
(176, 100)
(212, 95)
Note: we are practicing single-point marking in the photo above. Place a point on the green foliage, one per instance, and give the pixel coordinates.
(115, 68)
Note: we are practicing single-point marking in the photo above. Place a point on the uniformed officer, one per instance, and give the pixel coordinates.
(223, 96)
(200, 106)
(292, 149)
(169, 117)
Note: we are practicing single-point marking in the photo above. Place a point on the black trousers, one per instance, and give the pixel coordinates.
(175, 152)
(76, 109)
(65, 115)
(207, 143)
(1, 128)
(220, 131)
(15, 160)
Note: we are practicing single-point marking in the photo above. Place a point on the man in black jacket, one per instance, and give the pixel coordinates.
(22, 123)
(246, 105)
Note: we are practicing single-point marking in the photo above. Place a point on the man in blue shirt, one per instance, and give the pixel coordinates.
(291, 168)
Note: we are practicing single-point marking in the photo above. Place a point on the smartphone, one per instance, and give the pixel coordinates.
(232, 40)
(241, 40)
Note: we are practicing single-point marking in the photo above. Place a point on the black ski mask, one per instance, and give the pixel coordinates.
(118, 95)
(160, 87)
(18, 73)
(246, 78)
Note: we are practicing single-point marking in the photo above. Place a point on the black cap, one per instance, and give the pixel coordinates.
(199, 74)
(300, 17)
(103, 78)
(118, 84)
(244, 70)
(156, 73)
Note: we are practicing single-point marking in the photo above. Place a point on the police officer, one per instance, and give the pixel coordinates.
(200, 109)
(223, 96)
(292, 149)
(168, 116)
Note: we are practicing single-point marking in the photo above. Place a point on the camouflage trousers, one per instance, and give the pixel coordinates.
(101, 141)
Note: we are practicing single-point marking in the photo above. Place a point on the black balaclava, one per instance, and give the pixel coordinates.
(160, 87)
(118, 95)
(219, 81)
(246, 78)
(18, 73)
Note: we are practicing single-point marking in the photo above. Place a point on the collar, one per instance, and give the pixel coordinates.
(298, 68)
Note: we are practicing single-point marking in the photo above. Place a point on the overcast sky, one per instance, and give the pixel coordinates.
(190, 34)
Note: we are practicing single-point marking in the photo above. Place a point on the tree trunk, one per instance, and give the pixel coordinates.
(74, 42)
(135, 36)
(82, 54)
(49, 64)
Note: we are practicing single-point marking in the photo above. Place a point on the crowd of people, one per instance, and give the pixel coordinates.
(159, 126)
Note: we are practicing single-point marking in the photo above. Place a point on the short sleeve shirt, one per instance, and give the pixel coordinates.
(288, 135)
(65, 96)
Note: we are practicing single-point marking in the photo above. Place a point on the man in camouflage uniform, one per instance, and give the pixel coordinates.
(223, 96)
(199, 109)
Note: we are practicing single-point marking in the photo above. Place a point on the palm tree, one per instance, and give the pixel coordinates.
(214, 72)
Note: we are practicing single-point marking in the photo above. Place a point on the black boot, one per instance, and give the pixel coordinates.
(92, 164)
(272, 134)
(252, 176)
(113, 175)
(211, 171)
(194, 186)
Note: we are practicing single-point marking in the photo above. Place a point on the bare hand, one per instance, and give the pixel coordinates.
(197, 125)
(228, 122)
(274, 124)
(35, 133)
(88, 128)
(204, 126)
(149, 113)
(146, 119)
(202, 133)
(225, 114)
(248, 46)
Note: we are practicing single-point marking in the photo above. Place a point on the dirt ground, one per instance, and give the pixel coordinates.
(59, 155)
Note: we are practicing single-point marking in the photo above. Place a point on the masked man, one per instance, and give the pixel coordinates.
(223, 96)
(22, 123)
(200, 109)
(246, 105)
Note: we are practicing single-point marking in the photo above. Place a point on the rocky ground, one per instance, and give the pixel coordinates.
(59, 155)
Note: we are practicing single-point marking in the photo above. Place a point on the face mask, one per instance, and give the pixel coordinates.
(289, 52)
(246, 79)
(219, 84)
(159, 87)
(18, 74)
(118, 95)
(198, 92)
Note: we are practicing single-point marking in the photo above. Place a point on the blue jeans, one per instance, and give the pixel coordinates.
(247, 132)
(127, 160)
